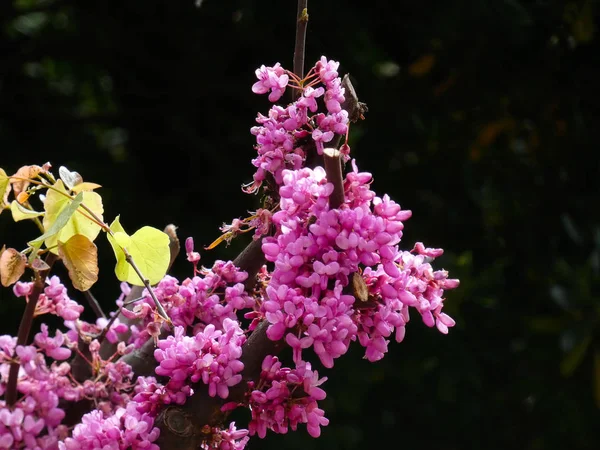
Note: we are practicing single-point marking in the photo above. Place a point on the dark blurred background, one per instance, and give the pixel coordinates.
(482, 120)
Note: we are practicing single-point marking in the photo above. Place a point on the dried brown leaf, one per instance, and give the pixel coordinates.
(24, 173)
(12, 266)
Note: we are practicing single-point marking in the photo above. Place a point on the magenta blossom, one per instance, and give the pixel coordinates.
(272, 79)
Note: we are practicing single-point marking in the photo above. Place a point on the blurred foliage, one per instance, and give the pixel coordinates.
(483, 118)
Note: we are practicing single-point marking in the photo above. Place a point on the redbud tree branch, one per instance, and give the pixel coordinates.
(185, 427)
(25, 328)
(301, 25)
(182, 427)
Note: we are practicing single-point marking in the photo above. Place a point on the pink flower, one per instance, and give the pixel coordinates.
(192, 256)
(327, 69)
(52, 346)
(309, 98)
(272, 79)
(23, 289)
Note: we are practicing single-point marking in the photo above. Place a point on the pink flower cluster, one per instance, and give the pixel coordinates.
(126, 408)
(283, 398)
(281, 135)
(210, 355)
(151, 396)
(409, 281)
(35, 420)
(24, 427)
(316, 250)
(54, 299)
(124, 429)
(209, 298)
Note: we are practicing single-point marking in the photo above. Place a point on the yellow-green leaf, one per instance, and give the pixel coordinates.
(149, 250)
(57, 225)
(19, 212)
(85, 186)
(78, 223)
(80, 256)
(4, 189)
(116, 225)
(12, 266)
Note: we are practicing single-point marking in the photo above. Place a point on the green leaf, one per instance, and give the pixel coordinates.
(148, 248)
(19, 212)
(56, 202)
(57, 225)
(119, 254)
(116, 225)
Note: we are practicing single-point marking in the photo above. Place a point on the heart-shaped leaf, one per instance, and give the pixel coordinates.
(149, 250)
(80, 256)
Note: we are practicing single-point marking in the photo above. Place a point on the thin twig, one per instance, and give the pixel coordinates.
(147, 285)
(110, 323)
(94, 304)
